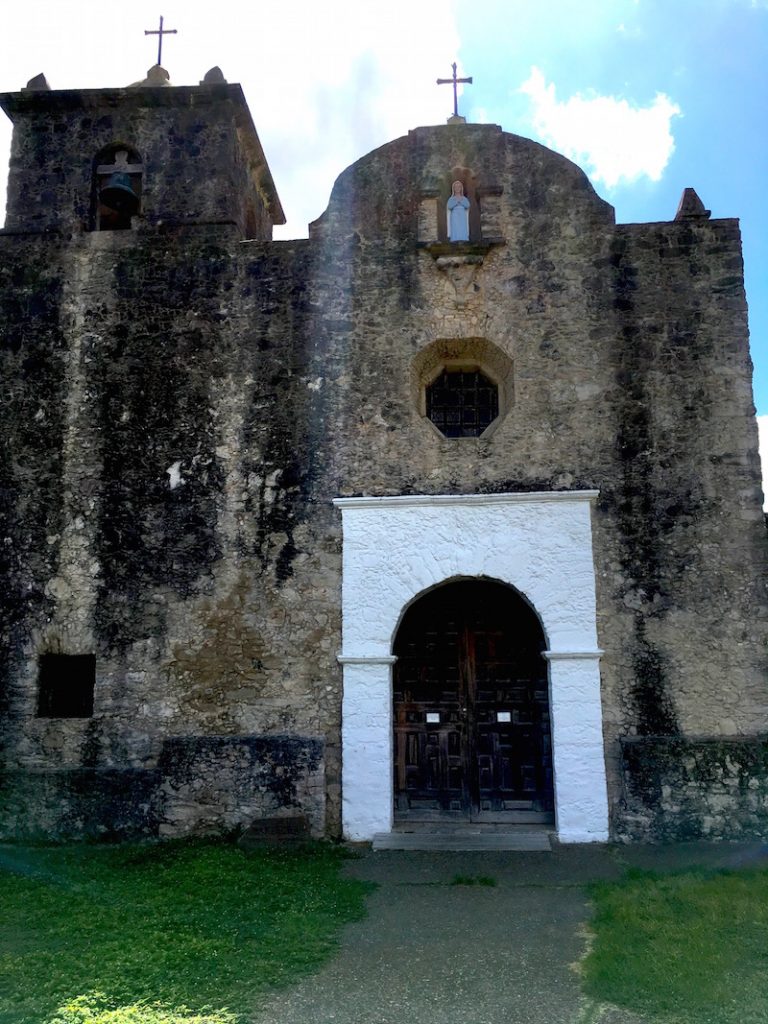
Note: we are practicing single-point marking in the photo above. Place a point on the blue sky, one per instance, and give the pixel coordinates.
(648, 96)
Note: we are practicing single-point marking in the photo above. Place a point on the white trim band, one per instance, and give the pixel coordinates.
(572, 655)
(435, 500)
(366, 659)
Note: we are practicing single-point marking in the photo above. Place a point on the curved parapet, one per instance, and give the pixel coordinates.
(399, 192)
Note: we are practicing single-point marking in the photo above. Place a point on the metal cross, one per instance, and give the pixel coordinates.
(160, 32)
(454, 82)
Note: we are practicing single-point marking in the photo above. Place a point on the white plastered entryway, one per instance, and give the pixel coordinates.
(395, 548)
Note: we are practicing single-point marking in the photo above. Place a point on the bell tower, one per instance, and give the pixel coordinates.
(137, 158)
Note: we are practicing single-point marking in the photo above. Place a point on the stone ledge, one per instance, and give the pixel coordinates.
(461, 249)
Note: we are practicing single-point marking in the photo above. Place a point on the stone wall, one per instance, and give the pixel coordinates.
(183, 407)
(631, 376)
(80, 803)
(677, 789)
(174, 505)
(217, 784)
(212, 785)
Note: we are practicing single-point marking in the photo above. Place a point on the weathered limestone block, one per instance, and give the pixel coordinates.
(677, 789)
(85, 803)
(217, 784)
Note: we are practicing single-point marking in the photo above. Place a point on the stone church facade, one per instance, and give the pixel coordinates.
(375, 526)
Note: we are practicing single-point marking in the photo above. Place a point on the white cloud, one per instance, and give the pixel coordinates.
(326, 83)
(762, 430)
(615, 141)
(339, 80)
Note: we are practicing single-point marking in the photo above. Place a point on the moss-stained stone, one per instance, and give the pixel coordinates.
(33, 348)
(87, 803)
(681, 789)
(182, 401)
(217, 784)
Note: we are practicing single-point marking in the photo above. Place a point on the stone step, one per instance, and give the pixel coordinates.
(464, 839)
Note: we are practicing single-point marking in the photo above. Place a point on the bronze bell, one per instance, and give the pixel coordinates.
(117, 194)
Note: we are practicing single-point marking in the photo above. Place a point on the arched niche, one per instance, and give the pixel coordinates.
(468, 180)
(117, 183)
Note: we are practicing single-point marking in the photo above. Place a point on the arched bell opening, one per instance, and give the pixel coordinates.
(471, 708)
(117, 188)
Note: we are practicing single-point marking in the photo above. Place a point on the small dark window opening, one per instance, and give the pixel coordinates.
(462, 403)
(66, 685)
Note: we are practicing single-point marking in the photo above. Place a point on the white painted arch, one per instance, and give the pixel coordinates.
(395, 548)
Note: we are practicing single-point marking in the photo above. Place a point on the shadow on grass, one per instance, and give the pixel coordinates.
(186, 923)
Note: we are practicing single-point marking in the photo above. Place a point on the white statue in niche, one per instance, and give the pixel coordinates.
(458, 214)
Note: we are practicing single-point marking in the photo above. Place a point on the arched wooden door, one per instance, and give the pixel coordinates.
(471, 708)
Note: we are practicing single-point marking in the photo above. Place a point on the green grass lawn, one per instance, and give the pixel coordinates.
(193, 924)
(689, 947)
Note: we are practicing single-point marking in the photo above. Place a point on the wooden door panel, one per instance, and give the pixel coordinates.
(430, 767)
(469, 655)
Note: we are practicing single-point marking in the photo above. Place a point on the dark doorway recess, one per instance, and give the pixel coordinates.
(471, 708)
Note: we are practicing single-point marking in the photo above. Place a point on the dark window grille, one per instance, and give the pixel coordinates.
(462, 403)
(66, 685)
